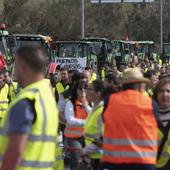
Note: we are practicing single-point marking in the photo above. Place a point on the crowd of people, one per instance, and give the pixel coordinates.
(116, 120)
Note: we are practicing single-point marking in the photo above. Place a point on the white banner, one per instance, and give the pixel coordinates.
(72, 63)
(121, 1)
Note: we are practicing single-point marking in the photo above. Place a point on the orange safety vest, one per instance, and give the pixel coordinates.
(72, 131)
(130, 133)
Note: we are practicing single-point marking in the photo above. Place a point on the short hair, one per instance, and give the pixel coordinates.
(76, 77)
(98, 86)
(150, 73)
(34, 56)
(162, 82)
(64, 69)
(87, 68)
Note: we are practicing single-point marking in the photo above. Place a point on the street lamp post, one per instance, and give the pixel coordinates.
(82, 18)
(161, 25)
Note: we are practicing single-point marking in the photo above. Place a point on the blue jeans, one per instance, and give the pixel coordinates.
(75, 151)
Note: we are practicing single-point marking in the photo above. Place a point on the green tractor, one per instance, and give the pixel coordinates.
(166, 52)
(122, 51)
(4, 45)
(103, 50)
(143, 49)
(20, 40)
(76, 55)
(146, 49)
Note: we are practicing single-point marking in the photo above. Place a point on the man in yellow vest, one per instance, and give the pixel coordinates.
(87, 76)
(13, 86)
(28, 132)
(63, 84)
(3, 95)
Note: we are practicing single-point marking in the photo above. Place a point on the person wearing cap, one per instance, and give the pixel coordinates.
(130, 132)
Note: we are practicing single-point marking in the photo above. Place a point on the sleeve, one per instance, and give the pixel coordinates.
(61, 103)
(155, 109)
(69, 115)
(21, 117)
(87, 108)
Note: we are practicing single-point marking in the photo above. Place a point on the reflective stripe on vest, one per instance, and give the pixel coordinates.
(126, 142)
(3, 102)
(95, 136)
(35, 164)
(73, 132)
(59, 158)
(126, 154)
(42, 138)
(2, 109)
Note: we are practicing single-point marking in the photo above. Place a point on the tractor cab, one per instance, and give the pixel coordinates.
(20, 40)
(146, 49)
(76, 55)
(103, 50)
(166, 52)
(4, 45)
(122, 51)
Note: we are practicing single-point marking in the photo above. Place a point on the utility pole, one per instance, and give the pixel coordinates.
(161, 25)
(82, 18)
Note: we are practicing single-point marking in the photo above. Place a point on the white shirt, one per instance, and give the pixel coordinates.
(70, 115)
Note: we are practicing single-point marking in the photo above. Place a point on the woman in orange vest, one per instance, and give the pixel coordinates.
(130, 131)
(76, 112)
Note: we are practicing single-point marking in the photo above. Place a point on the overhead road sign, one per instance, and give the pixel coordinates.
(121, 1)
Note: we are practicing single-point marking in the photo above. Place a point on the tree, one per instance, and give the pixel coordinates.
(62, 18)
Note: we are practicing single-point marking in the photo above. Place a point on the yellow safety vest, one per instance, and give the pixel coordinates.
(103, 74)
(160, 62)
(59, 163)
(145, 93)
(13, 90)
(149, 91)
(60, 89)
(92, 129)
(165, 154)
(39, 151)
(4, 100)
(93, 78)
